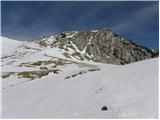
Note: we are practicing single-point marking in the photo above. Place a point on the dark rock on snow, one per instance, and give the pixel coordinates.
(104, 108)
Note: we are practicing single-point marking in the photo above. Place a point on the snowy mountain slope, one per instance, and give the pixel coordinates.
(8, 45)
(129, 92)
(42, 82)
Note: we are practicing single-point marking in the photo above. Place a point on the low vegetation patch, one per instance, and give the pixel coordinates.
(42, 64)
(6, 74)
(36, 74)
(30, 74)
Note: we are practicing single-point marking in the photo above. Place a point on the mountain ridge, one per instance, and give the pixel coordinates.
(99, 46)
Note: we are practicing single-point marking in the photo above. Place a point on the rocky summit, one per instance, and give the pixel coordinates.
(101, 45)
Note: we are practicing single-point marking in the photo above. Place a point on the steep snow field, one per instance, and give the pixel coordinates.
(74, 89)
(8, 45)
(129, 91)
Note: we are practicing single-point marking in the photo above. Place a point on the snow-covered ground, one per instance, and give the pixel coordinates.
(79, 89)
(8, 45)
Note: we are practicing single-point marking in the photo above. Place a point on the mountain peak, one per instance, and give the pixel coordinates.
(101, 45)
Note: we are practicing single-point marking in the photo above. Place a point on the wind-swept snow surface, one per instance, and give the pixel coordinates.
(8, 45)
(129, 91)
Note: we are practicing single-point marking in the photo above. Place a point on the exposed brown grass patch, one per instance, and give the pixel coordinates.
(36, 74)
(6, 74)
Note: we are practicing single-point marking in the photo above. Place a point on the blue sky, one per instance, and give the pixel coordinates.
(135, 20)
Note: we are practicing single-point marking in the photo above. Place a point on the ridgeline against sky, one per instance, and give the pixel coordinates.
(135, 20)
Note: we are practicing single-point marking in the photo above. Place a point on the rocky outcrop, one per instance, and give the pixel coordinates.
(101, 46)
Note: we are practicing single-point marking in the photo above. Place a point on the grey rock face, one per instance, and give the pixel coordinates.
(103, 46)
